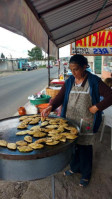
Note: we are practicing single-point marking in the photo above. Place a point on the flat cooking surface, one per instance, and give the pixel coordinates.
(8, 130)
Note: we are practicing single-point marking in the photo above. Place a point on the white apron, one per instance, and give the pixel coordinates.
(78, 113)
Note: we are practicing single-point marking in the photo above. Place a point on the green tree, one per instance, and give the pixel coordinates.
(50, 58)
(2, 55)
(35, 54)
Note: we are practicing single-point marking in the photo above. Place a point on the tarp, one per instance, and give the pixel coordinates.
(53, 51)
(99, 43)
(17, 17)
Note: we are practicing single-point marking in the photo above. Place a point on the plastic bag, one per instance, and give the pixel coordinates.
(31, 109)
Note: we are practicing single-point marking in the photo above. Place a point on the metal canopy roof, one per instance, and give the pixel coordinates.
(68, 20)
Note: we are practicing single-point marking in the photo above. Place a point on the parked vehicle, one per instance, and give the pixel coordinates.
(34, 66)
(26, 67)
(65, 64)
(50, 66)
(57, 64)
(29, 66)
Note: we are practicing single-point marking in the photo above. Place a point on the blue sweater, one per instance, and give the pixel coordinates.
(94, 92)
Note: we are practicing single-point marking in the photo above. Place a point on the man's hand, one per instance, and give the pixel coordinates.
(93, 109)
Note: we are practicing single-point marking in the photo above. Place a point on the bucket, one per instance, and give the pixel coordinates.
(41, 107)
(42, 100)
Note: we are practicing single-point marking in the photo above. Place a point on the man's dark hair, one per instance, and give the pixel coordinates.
(79, 59)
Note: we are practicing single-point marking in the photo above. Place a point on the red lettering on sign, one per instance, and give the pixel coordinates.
(79, 42)
(109, 39)
(84, 41)
(89, 40)
(97, 40)
(101, 41)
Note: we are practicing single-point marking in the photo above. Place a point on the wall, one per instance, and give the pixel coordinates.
(44, 62)
(8, 65)
(41, 62)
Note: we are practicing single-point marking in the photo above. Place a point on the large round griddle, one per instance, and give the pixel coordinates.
(36, 164)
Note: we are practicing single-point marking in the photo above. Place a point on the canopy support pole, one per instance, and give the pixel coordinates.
(48, 65)
(59, 64)
(75, 47)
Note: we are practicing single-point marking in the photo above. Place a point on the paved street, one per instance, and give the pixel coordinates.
(15, 88)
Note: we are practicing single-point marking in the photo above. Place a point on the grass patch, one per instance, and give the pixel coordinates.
(42, 66)
(18, 70)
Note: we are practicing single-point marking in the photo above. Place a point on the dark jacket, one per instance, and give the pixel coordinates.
(94, 92)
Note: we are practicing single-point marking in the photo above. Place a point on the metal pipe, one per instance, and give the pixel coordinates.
(48, 65)
(59, 64)
(75, 47)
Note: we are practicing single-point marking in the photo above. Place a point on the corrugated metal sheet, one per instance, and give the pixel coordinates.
(70, 13)
(43, 5)
(69, 20)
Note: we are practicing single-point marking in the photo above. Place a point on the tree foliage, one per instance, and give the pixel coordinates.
(2, 55)
(35, 54)
(50, 58)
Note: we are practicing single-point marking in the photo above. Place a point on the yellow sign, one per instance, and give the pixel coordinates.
(99, 43)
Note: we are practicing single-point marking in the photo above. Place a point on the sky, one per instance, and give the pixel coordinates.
(15, 46)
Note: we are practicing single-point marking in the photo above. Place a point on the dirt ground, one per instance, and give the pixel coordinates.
(100, 186)
(8, 73)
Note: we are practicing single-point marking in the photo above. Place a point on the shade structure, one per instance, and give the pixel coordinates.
(17, 17)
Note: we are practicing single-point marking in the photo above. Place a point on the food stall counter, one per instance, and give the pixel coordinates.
(57, 81)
